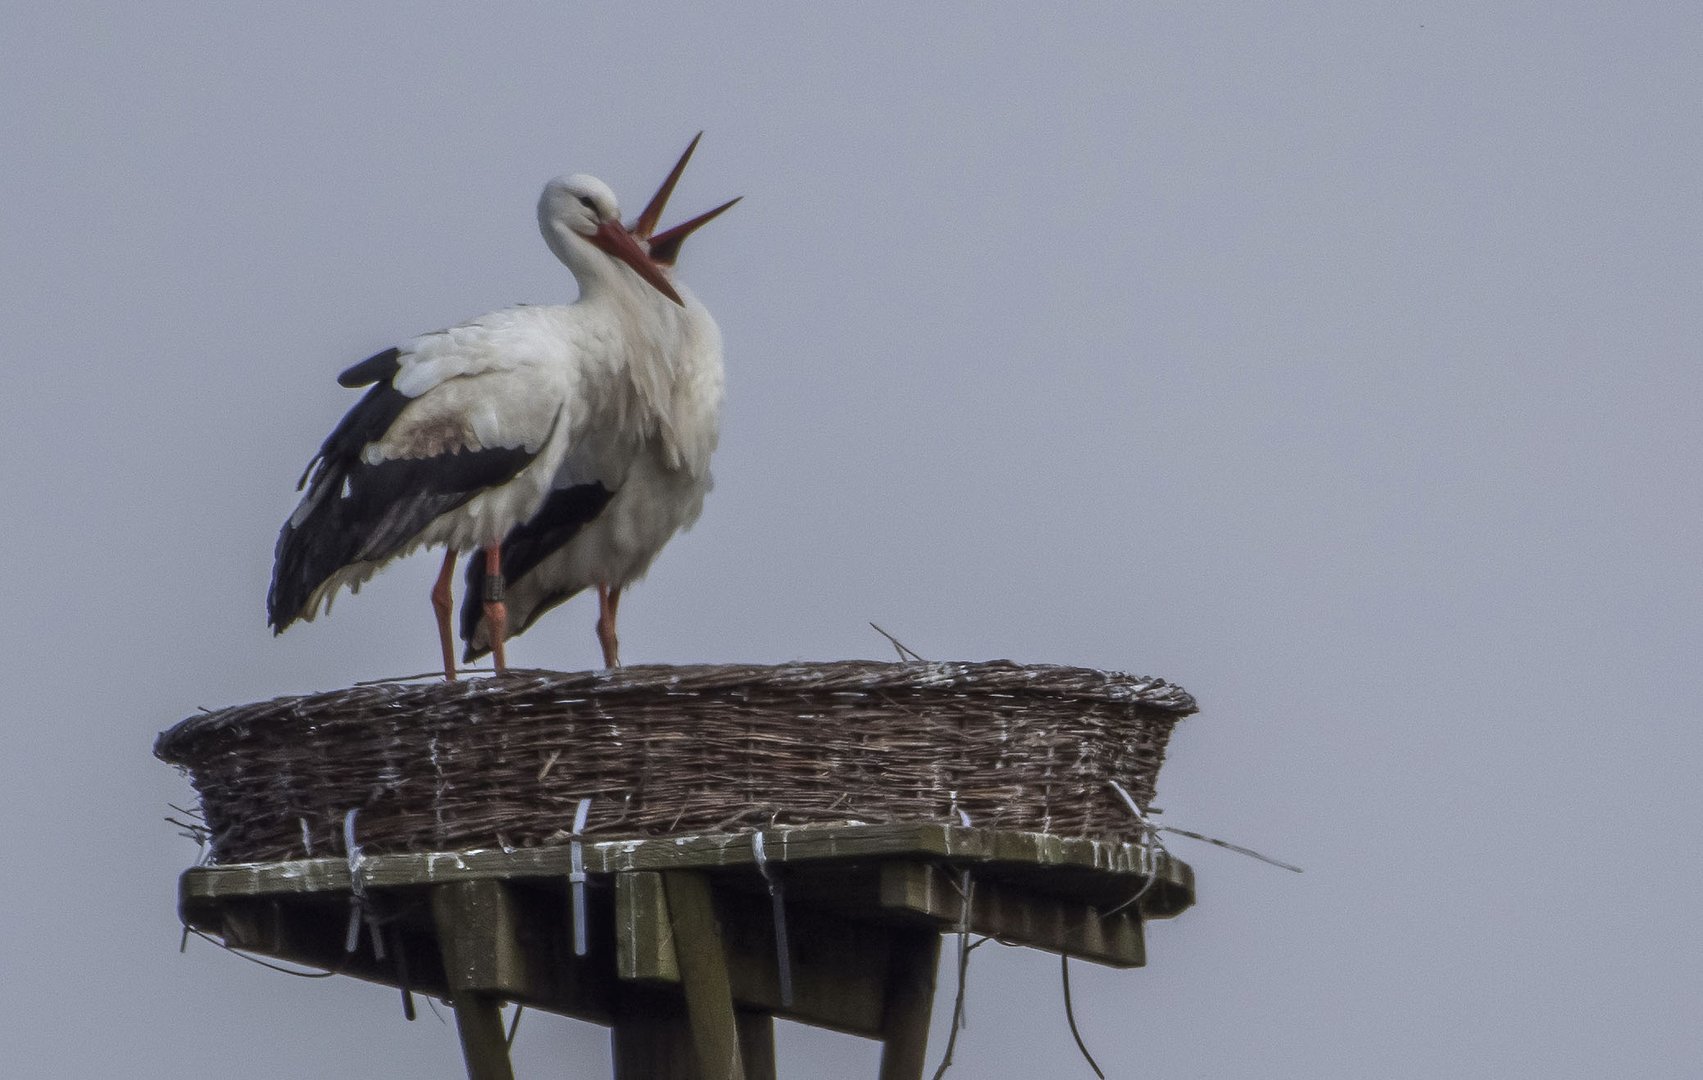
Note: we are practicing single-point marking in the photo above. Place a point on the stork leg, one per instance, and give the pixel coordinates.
(496, 612)
(444, 604)
(608, 599)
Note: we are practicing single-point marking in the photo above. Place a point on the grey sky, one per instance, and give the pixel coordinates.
(1339, 362)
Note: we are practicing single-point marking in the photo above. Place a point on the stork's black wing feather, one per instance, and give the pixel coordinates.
(558, 521)
(356, 511)
(368, 420)
(375, 368)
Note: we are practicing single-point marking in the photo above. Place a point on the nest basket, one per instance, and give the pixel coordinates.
(504, 762)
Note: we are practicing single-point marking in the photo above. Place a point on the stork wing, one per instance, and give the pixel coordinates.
(395, 463)
(527, 594)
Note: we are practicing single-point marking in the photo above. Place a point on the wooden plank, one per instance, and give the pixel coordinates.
(515, 945)
(644, 943)
(476, 931)
(312, 932)
(839, 965)
(1000, 911)
(703, 975)
(912, 963)
(1173, 891)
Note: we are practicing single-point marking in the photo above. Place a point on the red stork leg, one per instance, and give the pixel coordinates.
(608, 599)
(496, 612)
(444, 604)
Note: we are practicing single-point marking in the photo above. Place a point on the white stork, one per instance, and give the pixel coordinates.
(612, 513)
(465, 430)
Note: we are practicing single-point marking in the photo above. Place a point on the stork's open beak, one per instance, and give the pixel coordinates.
(652, 213)
(665, 246)
(614, 238)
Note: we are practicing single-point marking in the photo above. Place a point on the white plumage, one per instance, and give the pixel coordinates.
(465, 431)
(636, 471)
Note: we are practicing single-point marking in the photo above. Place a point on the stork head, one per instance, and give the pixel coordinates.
(665, 247)
(579, 211)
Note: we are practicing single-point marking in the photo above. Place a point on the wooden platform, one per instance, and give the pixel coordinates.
(680, 935)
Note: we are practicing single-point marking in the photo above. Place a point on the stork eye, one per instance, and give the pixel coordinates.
(585, 201)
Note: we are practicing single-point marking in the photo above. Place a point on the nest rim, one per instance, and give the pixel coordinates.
(1028, 747)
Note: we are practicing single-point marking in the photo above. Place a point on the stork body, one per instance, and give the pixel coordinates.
(609, 518)
(465, 431)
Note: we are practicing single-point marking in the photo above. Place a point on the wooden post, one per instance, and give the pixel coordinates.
(698, 1034)
(914, 958)
(652, 1039)
(484, 1044)
(470, 914)
(703, 975)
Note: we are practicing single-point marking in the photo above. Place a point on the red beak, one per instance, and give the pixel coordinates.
(652, 213)
(665, 246)
(614, 238)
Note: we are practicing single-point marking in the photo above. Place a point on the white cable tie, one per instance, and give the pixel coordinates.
(777, 905)
(576, 877)
(1130, 802)
(1148, 844)
(953, 808)
(357, 884)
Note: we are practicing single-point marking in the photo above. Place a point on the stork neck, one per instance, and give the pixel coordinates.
(611, 286)
(603, 280)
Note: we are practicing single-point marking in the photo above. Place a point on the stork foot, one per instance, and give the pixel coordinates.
(496, 611)
(444, 604)
(497, 618)
(608, 600)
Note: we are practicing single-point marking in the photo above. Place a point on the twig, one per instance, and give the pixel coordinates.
(966, 889)
(514, 1025)
(195, 832)
(738, 815)
(423, 675)
(1070, 1017)
(1228, 846)
(402, 974)
(905, 651)
(545, 771)
(257, 960)
(1150, 829)
(1146, 886)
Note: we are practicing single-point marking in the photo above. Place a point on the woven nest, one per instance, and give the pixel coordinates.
(504, 762)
